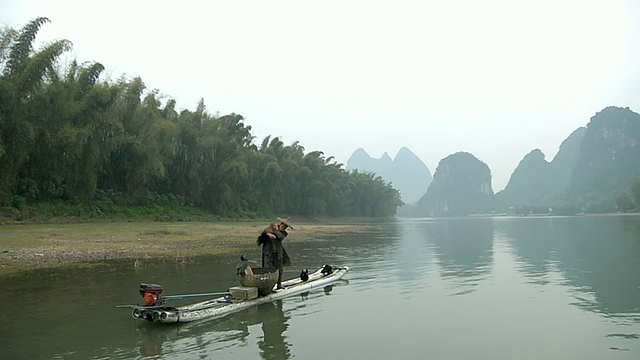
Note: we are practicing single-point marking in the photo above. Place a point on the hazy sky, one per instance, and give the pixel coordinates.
(493, 78)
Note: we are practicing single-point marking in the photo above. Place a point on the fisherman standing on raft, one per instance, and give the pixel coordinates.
(273, 253)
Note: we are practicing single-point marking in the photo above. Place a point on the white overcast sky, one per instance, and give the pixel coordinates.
(493, 78)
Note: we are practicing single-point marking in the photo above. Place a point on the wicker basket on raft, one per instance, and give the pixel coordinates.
(262, 278)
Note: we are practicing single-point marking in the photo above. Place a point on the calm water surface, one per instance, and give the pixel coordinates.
(502, 288)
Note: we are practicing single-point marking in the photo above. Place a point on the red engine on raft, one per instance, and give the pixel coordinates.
(151, 294)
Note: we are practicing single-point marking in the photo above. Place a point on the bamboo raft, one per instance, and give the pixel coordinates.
(236, 299)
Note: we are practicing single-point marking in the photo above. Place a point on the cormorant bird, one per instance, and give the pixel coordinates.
(242, 266)
(327, 269)
(304, 275)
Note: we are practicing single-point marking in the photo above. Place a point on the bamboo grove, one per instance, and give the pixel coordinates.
(66, 135)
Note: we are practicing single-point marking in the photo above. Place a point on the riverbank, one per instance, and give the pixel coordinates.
(34, 246)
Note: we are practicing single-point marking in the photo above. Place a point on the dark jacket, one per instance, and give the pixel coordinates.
(273, 253)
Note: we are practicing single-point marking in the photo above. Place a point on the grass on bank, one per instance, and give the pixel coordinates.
(31, 246)
(54, 234)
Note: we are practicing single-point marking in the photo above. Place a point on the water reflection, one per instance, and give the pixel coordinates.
(273, 344)
(592, 262)
(219, 335)
(598, 257)
(534, 240)
(150, 340)
(464, 249)
(413, 255)
(367, 253)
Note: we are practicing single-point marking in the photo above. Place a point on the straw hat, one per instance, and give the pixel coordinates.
(285, 221)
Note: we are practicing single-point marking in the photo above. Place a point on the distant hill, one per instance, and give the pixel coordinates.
(529, 182)
(406, 172)
(461, 186)
(536, 181)
(361, 160)
(609, 159)
(593, 165)
(564, 163)
(592, 172)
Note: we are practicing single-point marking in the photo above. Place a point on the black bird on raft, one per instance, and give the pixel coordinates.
(327, 269)
(304, 275)
(242, 266)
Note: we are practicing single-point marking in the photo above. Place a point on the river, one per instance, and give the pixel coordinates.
(471, 288)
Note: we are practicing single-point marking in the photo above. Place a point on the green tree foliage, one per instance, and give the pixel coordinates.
(22, 81)
(624, 202)
(634, 192)
(68, 136)
(629, 200)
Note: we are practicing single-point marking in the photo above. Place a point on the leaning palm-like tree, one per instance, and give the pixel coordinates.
(22, 72)
(7, 37)
(19, 45)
